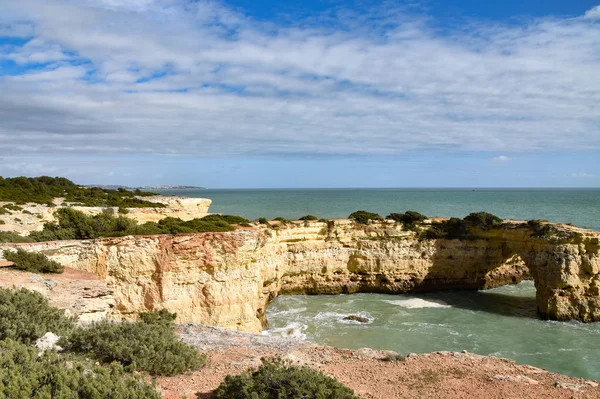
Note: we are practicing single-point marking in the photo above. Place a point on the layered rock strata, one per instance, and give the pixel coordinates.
(228, 279)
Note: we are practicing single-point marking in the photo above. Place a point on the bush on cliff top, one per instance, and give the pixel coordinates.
(32, 261)
(409, 217)
(363, 217)
(75, 225)
(44, 189)
(147, 345)
(25, 374)
(26, 315)
(462, 229)
(276, 379)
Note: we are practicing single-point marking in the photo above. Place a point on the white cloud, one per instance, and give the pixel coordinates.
(582, 175)
(593, 13)
(501, 158)
(196, 78)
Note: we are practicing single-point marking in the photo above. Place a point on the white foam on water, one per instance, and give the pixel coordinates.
(292, 330)
(418, 303)
(287, 312)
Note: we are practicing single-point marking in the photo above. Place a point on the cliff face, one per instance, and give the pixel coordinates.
(228, 279)
(33, 216)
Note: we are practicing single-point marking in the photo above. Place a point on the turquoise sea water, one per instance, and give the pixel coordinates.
(578, 206)
(500, 322)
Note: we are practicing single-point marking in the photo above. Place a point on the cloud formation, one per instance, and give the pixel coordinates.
(501, 158)
(176, 77)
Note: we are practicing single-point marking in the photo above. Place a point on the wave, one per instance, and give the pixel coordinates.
(292, 330)
(418, 303)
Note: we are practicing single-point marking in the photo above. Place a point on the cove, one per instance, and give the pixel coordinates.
(500, 322)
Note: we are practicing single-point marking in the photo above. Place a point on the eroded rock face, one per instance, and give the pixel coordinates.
(228, 279)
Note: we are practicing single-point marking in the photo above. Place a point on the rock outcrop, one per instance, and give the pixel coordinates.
(33, 216)
(80, 293)
(228, 279)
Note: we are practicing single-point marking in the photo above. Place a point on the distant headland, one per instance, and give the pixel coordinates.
(115, 187)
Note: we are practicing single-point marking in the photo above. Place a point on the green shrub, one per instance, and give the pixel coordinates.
(12, 237)
(2, 222)
(409, 217)
(282, 220)
(25, 375)
(147, 345)
(32, 261)
(4, 211)
(26, 315)
(363, 217)
(276, 379)
(263, 221)
(13, 207)
(309, 217)
(483, 220)
(44, 189)
(75, 225)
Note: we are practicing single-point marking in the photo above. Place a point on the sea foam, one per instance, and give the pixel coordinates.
(418, 303)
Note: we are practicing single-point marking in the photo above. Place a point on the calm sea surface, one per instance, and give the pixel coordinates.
(578, 206)
(500, 322)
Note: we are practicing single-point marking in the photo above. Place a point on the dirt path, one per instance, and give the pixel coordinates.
(373, 374)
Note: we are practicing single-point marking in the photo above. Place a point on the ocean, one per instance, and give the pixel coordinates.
(578, 206)
(500, 322)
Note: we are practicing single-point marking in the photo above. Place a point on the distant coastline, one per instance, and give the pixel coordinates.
(115, 187)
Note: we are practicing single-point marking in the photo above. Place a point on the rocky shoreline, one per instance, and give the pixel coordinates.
(372, 374)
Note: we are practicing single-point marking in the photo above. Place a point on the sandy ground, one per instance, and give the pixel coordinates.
(372, 374)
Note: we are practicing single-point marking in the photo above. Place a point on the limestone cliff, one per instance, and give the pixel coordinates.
(228, 279)
(33, 216)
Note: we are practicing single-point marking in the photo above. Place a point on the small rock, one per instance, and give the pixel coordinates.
(592, 384)
(360, 319)
(48, 342)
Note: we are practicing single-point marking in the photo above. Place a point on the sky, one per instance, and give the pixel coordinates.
(315, 93)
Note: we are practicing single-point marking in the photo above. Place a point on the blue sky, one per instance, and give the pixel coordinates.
(241, 93)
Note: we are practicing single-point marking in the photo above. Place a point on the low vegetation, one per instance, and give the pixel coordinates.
(409, 217)
(32, 261)
(364, 217)
(75, 225)
(309, 217)
(463, 229)
(26, 315)
(276, 379)
(24, 374)
(147, 345)
(44, 189)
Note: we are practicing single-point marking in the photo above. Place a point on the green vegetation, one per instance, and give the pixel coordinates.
(146, 345)
(75, 225)
(276, 379)
(409, 217)
(25, 375)
(309, 217)
(32, 261)
(463, 229)
(263, 221)
(282, 220)
(10, 236)
(363, 217)
(26, 315)
(43, 190)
